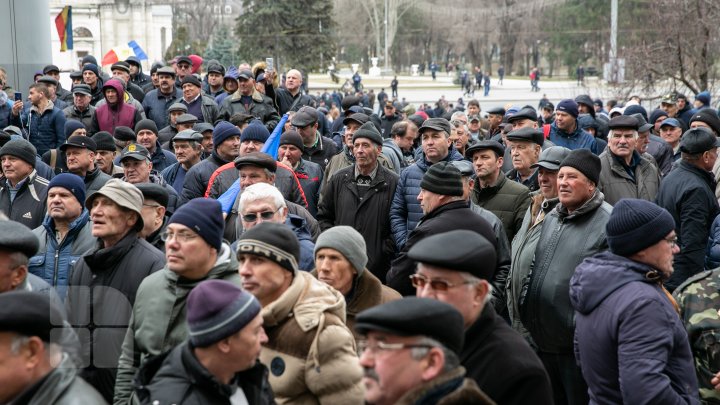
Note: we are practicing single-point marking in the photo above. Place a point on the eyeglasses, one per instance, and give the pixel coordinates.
(252, 217)
(378, 346)
(672, 242)
(152, 205)
(419, 281)
(181, 237)
(183, 66)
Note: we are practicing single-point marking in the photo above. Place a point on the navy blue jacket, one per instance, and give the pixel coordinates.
(156, 105)
(629, 341)
(576, 140)
(46, 131)
(712, 256)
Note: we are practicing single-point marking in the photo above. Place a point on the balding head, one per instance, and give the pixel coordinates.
(293, 80)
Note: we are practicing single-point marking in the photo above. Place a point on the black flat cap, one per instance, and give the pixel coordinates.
(466, 168)
(188, 135)
(186, 119)
(495, 146)
(304, 117)
(551, 157)
(30, 314)
(122, 133)
(134, 151)
(349, 101)
(104, 141)
(496, 111)
(50, 68)
(698, 140)
(624, 121)
(191, 79)
(203, 126)
(437, 124)
(79, 141)
(360, 118)
(471, 252)
(524, 114)
(527, 134)
(368, 130)
(258, 159)
(48, 80)
(183, 59)
(155, 192)
(16, 237)
(643, 125)
(166, 70)
(76, 74)
(122, 65)
(413, 316)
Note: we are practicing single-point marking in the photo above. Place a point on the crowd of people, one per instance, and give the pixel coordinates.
(214, 235)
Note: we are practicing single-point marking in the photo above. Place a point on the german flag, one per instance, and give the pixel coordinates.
(63, 23)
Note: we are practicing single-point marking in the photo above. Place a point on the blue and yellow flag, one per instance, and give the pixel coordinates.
(63, 23)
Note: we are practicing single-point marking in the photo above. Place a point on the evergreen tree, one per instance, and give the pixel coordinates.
(298, 34)
(222, 47)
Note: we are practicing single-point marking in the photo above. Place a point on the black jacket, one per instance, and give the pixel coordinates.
(261, 107)
(177, 377)
(94, 180)
(341, 204)
(320, 153)
(286, 102)
(29, 205)
(197, 178)
(503, 364)
(101, 293)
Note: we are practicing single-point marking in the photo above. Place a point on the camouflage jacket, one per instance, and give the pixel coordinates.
(699, 301)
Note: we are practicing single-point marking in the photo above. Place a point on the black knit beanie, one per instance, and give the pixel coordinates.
(21, 149)
(584, 161)
(443, 178)
(635, 225)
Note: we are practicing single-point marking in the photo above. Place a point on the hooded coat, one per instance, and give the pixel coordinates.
(107, 116)
(629, 340)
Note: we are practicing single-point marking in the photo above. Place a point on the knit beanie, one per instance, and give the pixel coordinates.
(276, 242)
(584, 161)
(636, 109)
(21, 149)
(224, 130)
(369, 131)
(349, 242)
(443, 178)
(255, 132)
(657, 113)
(72, 126)
(291, 137)
(708, 116)
(104, 141)
(72, 183)
(203, 216)
(217, 309)
(703, 97)
(91, 67)
(568, 106)
(147, 124)
(635, 225)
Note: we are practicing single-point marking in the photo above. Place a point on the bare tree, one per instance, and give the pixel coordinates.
(376, 10)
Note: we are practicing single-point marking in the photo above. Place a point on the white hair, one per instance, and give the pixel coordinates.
(610, 134)
(261, 191)
(457, 114)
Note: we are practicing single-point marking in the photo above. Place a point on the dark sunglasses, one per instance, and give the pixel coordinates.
(254, 216)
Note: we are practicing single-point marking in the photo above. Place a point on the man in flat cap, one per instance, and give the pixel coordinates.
(218, 362)
(248, 100)
(493, 190)
(361, 191)
(158, 100)
(22, 191)
(572, 231)
(406, 211)
(688, 193)
(625, 173)
(495, 118)
(188, 148)
(79, 153)
(318, 149)
(80, 108)
(388, 118)
(525, 144)
(310, 352)
(194, 252)
(495, 356)
(708, 118)
(104, 282)
(154, 213)
(17, 245)
(671, 131)
(174, 112)
(52, 84)
(34, 368)
(137, 167)
(627, 330)
(410, 354)
(65, 95)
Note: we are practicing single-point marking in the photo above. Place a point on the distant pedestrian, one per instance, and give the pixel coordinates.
(486, 83)
(394, 86)
(501, 74)
(580, 73)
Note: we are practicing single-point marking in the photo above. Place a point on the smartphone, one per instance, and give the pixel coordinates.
(269, 63)
(18, 96)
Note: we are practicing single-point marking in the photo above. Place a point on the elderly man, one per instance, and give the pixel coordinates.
(263, 202)
(188, 151)
(218, 363)
(493, 190)
(495, 118)
(80, 109)
(525, 144)
(410, 354)
(80, 160)
(406, 211)
(194, 251)
(317, 148)
(147, 136)
(104, 282)
(157, 101)
(688, 193)
(309, 174)
(310, 352)
(154, 213)
(135, 160)
(198, 104)
(248, 100)
(624, 172)
(671, 132)
(398, 148)
(290, 97)
(572, 231)
(359, 192)
(34, 369)
(627, 330)
(66, 232)
(23, 192)
(566, 132)
(174, 112)
(495, 356)
(542, 202)
(340, 262)
(105, 153)
(459, 135)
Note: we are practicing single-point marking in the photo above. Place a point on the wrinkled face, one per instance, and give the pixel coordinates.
(622, 142)
(147, 138)
(459, 137)
(293, 80)
(81, 101)
(494, 120)
(429, 201)
(366, 152)
(464, 296)
(186, 252)
(524, 154)
(90, 78)
(263, 278)
(166, 83)
(574, 189)
(643, 139)
(104, 160)
(671, 134)
(435, 144)
(660, 255)
(215, 79)
(111, 96)
(246, 86)
(670, 109)
(79, 159)
(119, 73)
(291, 152)
(152, 213)
(523, 123)
(350, 129)
(229, 149)
(389, 374)
(253, 213)
(15, 369)
(185, 153)
(334, 270)
(250, 175)
(136, 171)
(564, 121)
(62, 205)
(249, 146)
(245, 346)
(547, 179)
(190, 91)
(15, 169)
(207, 141)
(486, 163)
(109, 220)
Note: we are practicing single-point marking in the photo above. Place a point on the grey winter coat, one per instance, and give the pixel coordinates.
(616, 183)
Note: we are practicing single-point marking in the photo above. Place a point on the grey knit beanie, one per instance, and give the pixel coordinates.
(347, 241)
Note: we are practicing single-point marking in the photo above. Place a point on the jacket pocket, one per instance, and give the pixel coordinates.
(36, 266)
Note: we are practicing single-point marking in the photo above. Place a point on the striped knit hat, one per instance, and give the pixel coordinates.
(443, 178)
(217, 309)
(276, 242)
